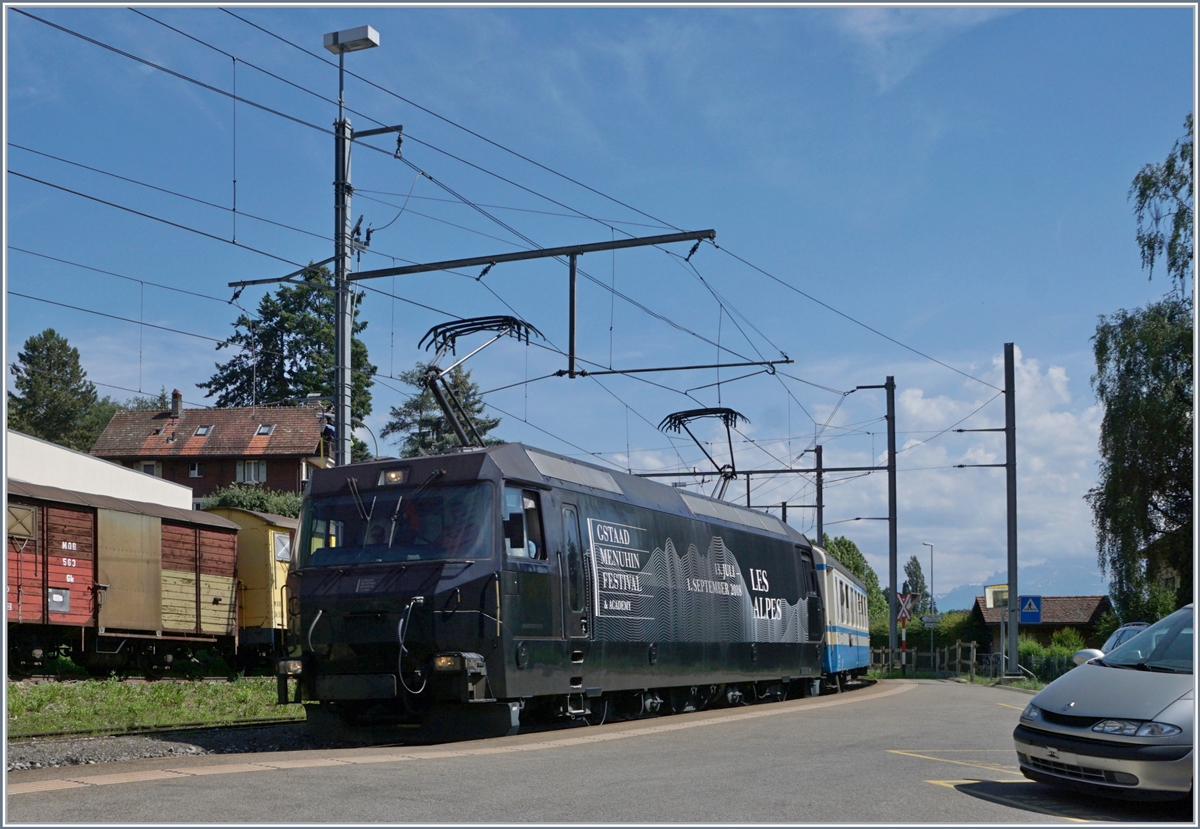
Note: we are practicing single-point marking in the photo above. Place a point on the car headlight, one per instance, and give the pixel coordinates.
(1136, 728)
(1158, 729)
(1031, 712)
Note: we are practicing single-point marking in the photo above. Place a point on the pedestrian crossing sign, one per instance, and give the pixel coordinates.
(1031, 610)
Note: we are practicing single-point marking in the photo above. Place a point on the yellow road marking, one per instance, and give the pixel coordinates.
(43, 786)
(988, 766)
(1016, 707)
(126, 777)
(231, 768)
(306, 763)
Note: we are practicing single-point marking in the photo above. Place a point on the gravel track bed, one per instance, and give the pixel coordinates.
(81, 751)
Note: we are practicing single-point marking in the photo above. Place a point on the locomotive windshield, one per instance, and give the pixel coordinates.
(397, 524)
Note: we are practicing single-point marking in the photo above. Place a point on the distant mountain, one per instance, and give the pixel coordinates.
(1048, 579)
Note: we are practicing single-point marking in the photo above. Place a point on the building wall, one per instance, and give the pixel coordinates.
(39, 462)
(282, 474)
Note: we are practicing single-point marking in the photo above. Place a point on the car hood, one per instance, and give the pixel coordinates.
(1123, 693)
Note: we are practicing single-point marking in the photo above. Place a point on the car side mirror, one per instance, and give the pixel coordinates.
(1086, 655)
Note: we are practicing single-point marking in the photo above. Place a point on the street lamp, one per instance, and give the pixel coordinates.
(932, 606)
(339, 43)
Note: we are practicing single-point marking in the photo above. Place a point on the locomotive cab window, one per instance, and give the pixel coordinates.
(523, 523)
(397, 524)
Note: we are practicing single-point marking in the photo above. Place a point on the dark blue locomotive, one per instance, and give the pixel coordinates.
(476, 590)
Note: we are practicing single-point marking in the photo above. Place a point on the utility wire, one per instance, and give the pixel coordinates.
(604, 196)
(155, 218)
(172, 193)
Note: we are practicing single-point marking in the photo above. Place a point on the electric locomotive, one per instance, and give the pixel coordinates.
(475, 590)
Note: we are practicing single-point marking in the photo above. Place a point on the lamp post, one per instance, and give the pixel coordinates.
(932, 607)
(339, 43)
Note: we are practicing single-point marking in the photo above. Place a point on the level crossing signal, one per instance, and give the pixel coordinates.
(905, 610)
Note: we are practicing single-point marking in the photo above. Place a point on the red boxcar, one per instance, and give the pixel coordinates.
(115, 583)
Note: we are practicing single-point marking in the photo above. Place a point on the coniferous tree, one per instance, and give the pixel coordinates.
(915, 577)
(54, 400)
(418, 424)
(288, 351)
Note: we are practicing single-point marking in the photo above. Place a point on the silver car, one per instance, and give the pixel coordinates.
(1122, 635)
(1121, 724)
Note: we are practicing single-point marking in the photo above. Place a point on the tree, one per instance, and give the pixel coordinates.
(256, 499)
(288, 351)
(916, 584)
(1142, 505)
(54, 400)
(1163, 192)
(148, 403)
(419, 425)
(847, 552)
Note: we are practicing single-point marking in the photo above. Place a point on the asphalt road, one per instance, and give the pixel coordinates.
(897, 752)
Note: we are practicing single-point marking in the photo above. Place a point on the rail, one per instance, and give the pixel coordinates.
(158, 729)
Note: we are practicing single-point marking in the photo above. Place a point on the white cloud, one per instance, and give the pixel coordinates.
(890, 43)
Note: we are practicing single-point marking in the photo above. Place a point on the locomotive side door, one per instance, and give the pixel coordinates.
(811, 591)
(574, 588)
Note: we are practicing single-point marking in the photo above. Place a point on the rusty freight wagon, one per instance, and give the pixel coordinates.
(115, 584)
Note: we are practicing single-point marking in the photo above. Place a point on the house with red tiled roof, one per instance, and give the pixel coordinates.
(1079, 612)
(207, 449)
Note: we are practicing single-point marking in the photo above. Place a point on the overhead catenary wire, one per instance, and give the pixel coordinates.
(609, 198)
(313, 126)
(601, 286)
(550, 170)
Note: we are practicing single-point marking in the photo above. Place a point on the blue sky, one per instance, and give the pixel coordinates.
(954, 178)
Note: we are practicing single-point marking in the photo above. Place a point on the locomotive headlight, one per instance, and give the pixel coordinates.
(290, 667)
(448, 662)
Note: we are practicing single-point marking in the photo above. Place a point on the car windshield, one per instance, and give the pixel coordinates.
(397, 524)
(1123, 634)
(1164, 646)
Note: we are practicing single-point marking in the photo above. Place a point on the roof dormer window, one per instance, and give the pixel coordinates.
(203, 431)
(265, 429)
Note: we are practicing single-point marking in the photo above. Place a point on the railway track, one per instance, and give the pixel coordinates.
(33, 679)
(158, 729)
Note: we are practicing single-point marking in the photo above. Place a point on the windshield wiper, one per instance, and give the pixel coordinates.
(433, 476)
(1146, 666)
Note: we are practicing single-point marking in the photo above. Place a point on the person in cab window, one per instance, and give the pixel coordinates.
(533, 525)
(457, 531)
(378, 536)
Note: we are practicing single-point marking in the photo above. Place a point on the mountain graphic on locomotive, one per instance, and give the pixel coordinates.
(487, 587)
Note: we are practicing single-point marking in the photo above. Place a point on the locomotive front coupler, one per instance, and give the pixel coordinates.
(291, 667)
(460, 677)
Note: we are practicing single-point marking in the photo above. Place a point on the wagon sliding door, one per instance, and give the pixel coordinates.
(129, 562)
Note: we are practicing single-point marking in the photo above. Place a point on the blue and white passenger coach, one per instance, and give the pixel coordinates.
(847, 651)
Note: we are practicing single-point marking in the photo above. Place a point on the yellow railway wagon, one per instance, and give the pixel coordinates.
(198, 580)
(264, 551)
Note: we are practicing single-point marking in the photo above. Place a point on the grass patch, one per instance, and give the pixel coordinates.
(1024, 682)
(113, 705)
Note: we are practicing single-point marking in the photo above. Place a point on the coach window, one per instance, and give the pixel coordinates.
(523, 523)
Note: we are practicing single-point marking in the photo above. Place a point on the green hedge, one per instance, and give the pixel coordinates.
(1047, 663)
